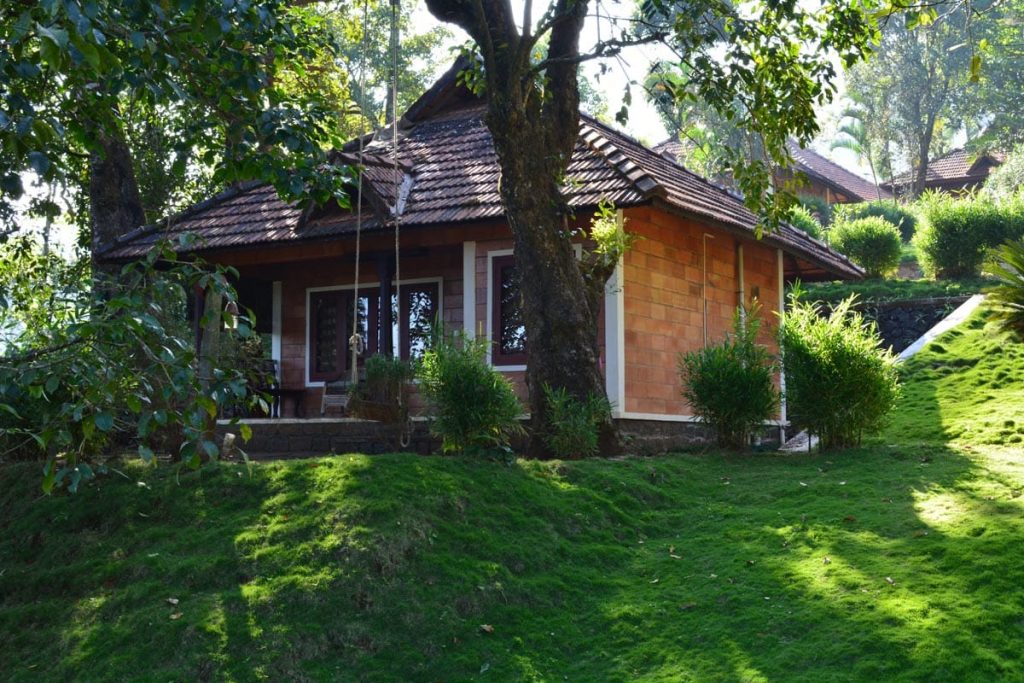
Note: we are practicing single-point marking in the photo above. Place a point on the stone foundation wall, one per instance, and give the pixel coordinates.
(288, 438)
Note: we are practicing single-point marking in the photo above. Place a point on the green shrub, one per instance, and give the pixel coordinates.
(819, 209)
(475, 408)
(872, 243)
(902, 217)
(575, 424)
(957, 232)
(1007, 298)
(730, 385)
(800, 217)
(840, 383)
(1008, 179)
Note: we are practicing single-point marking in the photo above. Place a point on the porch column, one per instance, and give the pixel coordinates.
(275, 325)
(615, 337)
(469, 289)
(782, 369)
(385, 272)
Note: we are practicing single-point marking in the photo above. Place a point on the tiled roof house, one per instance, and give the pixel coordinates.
(697, 258)
(822, 177)
(956, 171)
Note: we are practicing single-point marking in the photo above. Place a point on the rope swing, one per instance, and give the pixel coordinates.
(356, 345)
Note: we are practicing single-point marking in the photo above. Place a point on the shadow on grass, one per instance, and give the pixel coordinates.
(408, 568)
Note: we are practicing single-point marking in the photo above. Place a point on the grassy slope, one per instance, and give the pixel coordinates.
(679, 568)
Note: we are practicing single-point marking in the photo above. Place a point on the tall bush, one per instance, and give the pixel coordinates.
(800, 217)
(475, 408)
(899, 215)
(840, 383)
(730, 385)
(957, 232)
(872, 243)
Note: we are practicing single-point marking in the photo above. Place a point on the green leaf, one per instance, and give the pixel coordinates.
(211, 449)
(246, 431)
(146, 453)
(104, 421)
(975, 68)
(52, 383)
(49, 476)
(58, 36)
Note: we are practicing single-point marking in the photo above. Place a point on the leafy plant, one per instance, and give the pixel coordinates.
(1008, 179)
(899, 215)
(872, 243)
(1007, 298)
(475, 408)
(840, 383)
(957, 232)
(731, 385)
(800, 217)
(574, 423)
(117, 368)
(819, 209)
(383, 394)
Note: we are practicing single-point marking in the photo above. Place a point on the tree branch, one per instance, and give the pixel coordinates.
(606, 48)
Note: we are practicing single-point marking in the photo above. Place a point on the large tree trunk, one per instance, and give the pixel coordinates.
(115, 205)
(534, 136)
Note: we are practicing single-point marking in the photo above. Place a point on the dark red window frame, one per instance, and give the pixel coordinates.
(499, 264)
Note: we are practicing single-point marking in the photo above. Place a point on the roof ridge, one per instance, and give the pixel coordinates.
(618, 160)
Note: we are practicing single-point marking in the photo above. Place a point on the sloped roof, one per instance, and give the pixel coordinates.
(957, 166)
(450, 172)
(819, 167)
(812, 164)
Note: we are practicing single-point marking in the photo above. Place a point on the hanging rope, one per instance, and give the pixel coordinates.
(355, 342)
(405, 437)
(395, 9)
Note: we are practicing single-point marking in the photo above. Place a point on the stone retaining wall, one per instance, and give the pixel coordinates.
(292, 438)
(900, 323)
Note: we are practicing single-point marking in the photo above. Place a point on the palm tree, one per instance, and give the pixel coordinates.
(852, 134)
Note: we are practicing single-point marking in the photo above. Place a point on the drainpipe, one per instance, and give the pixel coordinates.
(704, 286)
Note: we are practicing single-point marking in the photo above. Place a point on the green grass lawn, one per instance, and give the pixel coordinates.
(900, 560)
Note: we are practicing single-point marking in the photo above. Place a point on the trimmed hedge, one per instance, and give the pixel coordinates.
(872, 243)
(956, 233)
(800, 217)
(903, 218)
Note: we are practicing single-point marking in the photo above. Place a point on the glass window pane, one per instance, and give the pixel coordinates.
(421, 305)
(512, 332)
(325, 359)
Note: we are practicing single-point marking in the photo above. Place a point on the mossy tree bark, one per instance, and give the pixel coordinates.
(535, 128)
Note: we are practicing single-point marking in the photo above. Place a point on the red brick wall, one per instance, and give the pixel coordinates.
(664, 313)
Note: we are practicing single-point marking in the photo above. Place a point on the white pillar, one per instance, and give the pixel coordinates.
(469, 288)
(275, 322)
(615, 337)
(782, 370)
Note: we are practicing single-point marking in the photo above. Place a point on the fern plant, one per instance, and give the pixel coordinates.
(1007, 298)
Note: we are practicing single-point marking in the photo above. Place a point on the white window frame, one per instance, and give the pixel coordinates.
(439, 281)
(491, 255)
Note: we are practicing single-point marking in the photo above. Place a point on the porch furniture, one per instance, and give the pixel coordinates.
(338, 392)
